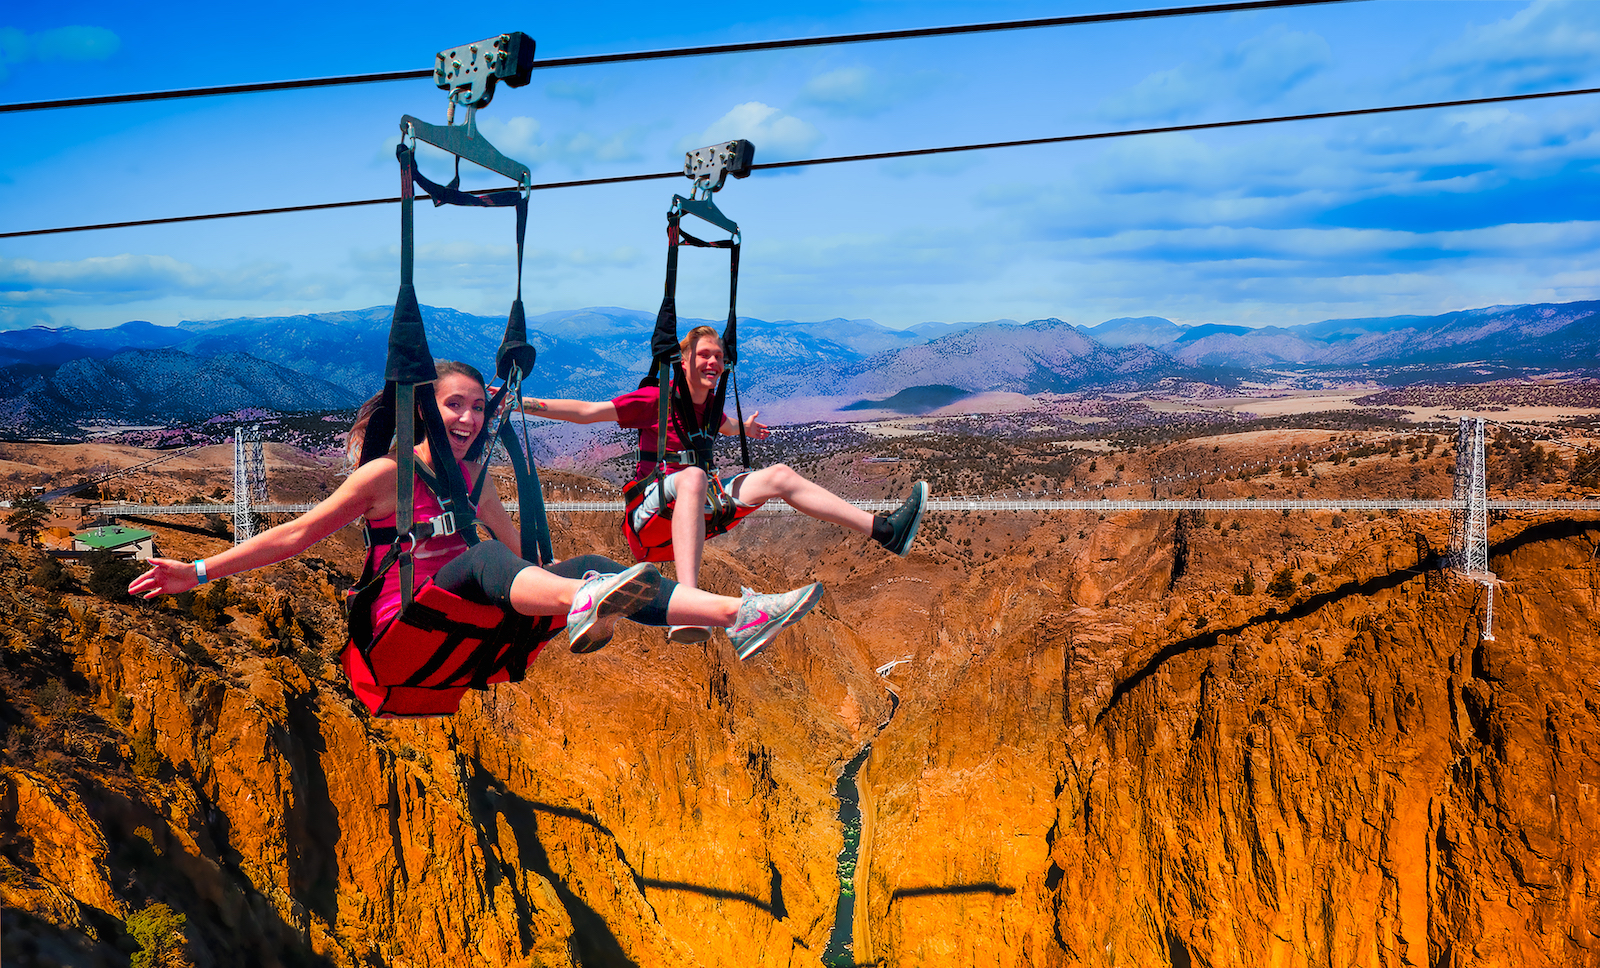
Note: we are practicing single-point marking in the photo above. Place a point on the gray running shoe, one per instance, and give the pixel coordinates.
(605, 598)
(689, 634)
(907, 520)
(762, 617)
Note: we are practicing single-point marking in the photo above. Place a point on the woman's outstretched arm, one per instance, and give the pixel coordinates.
(360, 495)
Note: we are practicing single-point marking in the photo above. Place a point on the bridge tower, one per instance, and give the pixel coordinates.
(1469, 516)
(249, 480)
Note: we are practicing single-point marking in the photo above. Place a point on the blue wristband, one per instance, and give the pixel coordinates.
(200, 571)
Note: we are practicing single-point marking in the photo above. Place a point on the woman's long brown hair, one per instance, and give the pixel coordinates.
(358, 430)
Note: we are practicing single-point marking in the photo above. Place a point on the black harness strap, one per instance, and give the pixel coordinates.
(675, 407)
(411, 364)
(504, 646)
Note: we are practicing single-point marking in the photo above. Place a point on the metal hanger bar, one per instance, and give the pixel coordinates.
(464, 141)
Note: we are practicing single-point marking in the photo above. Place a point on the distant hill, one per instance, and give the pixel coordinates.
(1046, 355)
(52, 345)
(1128, 330)
(48, 376)
(152, 386)
(587, 353)
(1540, 336)
(914, 400)
(932, 331)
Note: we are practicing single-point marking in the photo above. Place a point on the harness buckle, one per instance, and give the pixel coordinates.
(670, 457)
(443, 525)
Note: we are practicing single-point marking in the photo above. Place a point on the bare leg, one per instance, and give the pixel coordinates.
(537, 592)
(780, 481)
(692, 606)
(689, 526)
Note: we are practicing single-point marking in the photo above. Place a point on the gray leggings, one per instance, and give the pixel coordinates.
(484, 572)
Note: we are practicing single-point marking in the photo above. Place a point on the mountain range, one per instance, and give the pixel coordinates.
(142, 373)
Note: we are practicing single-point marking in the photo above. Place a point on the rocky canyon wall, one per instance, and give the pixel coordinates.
(1107, 752)
(1127, 768)
(649, 804)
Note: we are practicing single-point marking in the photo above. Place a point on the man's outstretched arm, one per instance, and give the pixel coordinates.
(572, 411)
(752, 427)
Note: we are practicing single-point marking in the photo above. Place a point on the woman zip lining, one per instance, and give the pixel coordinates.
(678, 411)
(438, 610)
(593, 592)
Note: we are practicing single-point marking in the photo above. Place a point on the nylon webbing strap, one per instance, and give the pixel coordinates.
(676, 406)
(405, 486)
(535, 529)
(514, 360)
(410, 362)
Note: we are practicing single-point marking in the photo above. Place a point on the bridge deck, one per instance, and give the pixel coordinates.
(976, 504)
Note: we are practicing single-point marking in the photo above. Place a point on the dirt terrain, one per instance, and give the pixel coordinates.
(1141, 738)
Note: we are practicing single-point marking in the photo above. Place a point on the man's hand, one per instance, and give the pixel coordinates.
(755, 428)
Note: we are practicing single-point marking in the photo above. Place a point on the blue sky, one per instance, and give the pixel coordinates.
(1285, 224)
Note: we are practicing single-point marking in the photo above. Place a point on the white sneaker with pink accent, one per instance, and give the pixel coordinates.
(605, 598)
(762, 617)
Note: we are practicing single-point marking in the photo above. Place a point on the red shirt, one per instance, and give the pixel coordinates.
(639, 410)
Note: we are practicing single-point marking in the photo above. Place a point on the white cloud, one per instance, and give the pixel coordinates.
(60, 44)
(1545, 45)
(1254, 72)
(466, 261)
(22, 317)
(863, 92)
(849, 89)
(580, 92)
(946, 165)
(109, 280)
(523, 139)
(516, 137)
(75, 44)
(777, 136)
(13, 46)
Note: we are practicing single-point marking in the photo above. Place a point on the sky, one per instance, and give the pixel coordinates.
(1414, 213)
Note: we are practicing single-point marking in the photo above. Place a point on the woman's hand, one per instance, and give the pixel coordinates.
(165, 577)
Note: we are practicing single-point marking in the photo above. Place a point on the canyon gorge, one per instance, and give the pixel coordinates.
(1096, 745)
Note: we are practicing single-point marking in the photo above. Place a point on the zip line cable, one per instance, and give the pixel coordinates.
(643, 55)
(837, 159)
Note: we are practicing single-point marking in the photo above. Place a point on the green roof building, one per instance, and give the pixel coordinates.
(140, 543)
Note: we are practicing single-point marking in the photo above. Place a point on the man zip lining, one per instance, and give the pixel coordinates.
(655, 533)
(685, 394)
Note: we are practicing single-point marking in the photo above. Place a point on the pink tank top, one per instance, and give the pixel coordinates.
(429, 556)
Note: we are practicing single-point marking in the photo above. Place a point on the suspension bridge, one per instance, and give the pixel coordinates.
(1469, 505)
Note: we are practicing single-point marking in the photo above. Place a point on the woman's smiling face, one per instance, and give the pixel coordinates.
(461, 405)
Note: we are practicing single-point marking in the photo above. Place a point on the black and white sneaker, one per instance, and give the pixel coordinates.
(906, 520)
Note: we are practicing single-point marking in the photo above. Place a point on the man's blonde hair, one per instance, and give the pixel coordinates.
(687, 344)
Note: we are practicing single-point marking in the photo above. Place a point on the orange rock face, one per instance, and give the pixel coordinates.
(650, 804)
(1103, 755)
(1352, 777)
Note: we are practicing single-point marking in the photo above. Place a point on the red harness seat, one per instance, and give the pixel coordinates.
(426, 658)
(653, 542)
